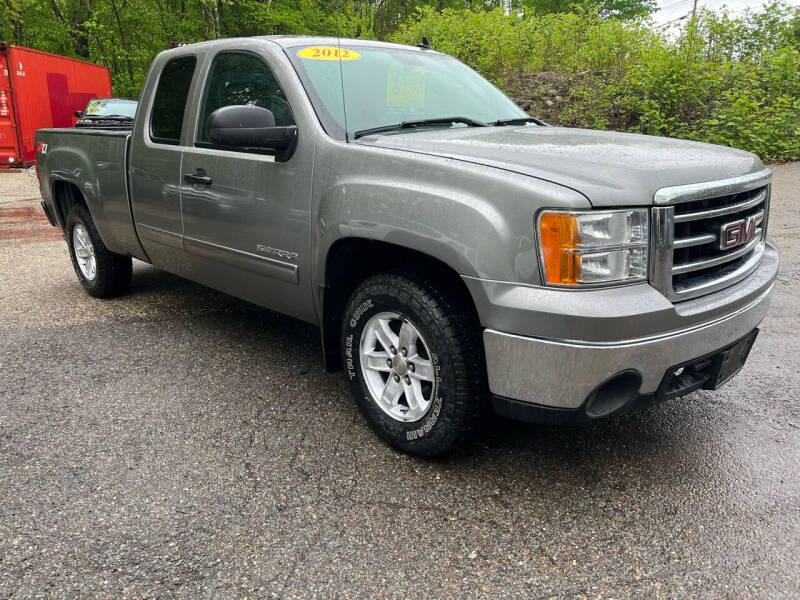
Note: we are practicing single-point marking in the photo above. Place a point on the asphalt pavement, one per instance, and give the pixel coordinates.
(179, 443)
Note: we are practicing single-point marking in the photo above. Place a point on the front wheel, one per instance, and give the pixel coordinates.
(102, 273)
(414, 357)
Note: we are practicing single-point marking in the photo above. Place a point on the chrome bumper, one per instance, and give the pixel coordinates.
(561, 374)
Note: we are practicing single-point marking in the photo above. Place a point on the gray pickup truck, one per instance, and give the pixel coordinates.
(458, 255)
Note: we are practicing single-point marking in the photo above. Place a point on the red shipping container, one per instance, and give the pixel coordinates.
(38, 90)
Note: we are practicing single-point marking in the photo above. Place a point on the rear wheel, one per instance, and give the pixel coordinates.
(414, 357)
(102, 273)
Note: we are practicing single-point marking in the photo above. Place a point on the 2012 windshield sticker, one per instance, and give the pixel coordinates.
(328, 53)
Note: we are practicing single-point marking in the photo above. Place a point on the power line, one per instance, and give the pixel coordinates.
(712, 5)
(662, 8)
(671, 22)
(717, 4)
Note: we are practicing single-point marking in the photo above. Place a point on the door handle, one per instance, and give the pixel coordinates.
(199, 176)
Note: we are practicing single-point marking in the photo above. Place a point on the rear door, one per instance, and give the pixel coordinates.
(155, 163)
(246, 222)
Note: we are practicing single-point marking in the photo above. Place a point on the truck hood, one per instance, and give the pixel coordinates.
(609, 168)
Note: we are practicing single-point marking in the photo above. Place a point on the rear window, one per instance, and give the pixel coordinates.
(110, 107)
(169, 103)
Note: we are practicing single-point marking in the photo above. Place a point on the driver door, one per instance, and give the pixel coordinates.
(246, 219)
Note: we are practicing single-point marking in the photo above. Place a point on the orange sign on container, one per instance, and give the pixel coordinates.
(39, 90)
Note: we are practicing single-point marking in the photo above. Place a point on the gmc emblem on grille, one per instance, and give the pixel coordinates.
(737, 233)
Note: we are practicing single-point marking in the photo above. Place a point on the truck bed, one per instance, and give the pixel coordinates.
(98, 169)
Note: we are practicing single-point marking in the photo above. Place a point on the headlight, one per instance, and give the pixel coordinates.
(593, 247)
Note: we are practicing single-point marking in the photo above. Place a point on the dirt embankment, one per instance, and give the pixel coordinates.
(544, 94)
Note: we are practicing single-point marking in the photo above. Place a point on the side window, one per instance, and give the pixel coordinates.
(169, 103)
(238, 78)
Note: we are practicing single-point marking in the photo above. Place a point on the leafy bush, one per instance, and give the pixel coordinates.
(720, 79)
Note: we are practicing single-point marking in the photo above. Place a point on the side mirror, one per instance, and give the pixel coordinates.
(245, 126)
(78, 113)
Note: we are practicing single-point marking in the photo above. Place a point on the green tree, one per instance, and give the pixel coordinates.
(722, 78)
(390, 14)
(607, 9)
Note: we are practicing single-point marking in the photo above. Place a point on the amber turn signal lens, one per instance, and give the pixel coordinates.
(559, 239)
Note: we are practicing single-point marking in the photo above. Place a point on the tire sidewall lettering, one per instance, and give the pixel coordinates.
(360, 310)
(348, 354)
(433, 415)
(351, 348)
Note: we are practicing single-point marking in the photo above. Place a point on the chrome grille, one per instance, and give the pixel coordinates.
(689, 257)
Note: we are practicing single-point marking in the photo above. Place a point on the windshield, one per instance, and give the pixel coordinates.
(102, 107)
(384, 86)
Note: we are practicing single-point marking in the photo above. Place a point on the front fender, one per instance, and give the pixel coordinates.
(478, 220)
(414, 216)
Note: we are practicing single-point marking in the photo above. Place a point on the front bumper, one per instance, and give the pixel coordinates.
(620, 393)
(561, 374)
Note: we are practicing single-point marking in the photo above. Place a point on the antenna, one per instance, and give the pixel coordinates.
(341, 80)
(425, 45)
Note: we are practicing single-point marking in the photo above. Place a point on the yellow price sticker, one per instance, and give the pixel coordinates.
(93, 107)
(328, 53)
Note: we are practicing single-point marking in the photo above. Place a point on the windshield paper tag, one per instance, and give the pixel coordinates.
(94, 107)
(328, 53)
(405, 87)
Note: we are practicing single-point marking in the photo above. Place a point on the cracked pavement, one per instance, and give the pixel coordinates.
(179, 443)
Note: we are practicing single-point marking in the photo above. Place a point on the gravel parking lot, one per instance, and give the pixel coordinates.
(180, 443)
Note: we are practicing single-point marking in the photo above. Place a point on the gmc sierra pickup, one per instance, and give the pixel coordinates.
(457, 254)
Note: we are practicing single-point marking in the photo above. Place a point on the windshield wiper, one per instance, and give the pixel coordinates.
(421, 123)
(518, 121)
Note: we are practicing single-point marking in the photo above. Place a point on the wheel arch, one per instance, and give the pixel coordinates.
(66, 195)
(114, 226)
(351, 260)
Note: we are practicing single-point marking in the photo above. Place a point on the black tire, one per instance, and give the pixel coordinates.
(450, 329)
(113, 271)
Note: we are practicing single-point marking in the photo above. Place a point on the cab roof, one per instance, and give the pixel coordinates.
(291, 41)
